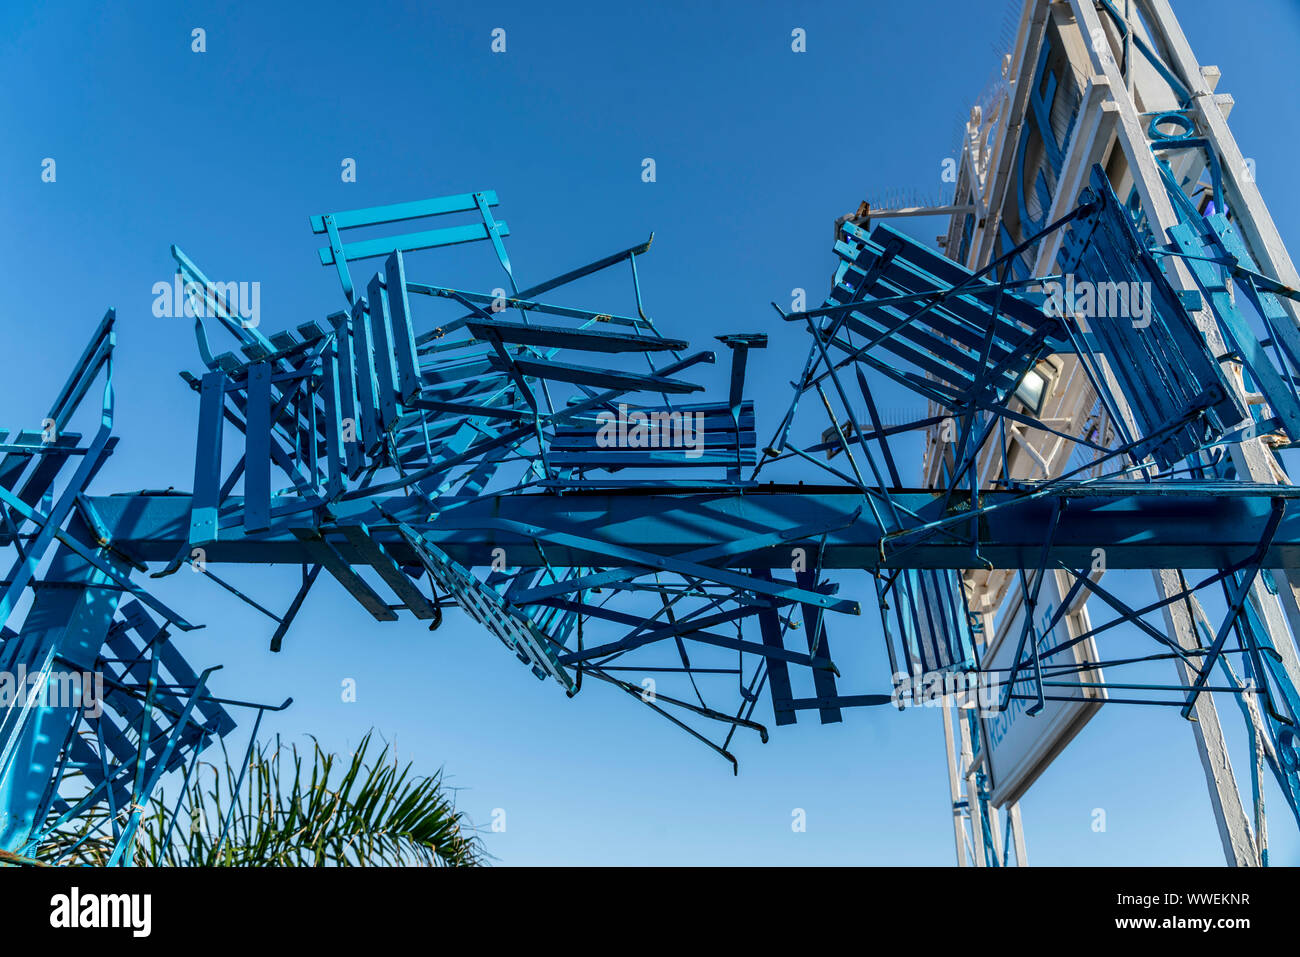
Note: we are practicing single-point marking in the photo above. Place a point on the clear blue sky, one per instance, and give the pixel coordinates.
(757, 148)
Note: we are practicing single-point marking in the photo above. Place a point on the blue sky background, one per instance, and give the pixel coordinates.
(758, 149)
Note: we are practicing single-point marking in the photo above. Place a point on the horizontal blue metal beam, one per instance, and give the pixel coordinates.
(1184, 525)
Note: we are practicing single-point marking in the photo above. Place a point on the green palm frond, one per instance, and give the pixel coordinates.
(367, 811)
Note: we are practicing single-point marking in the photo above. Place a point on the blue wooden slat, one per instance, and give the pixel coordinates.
(363, 362)
(399, 313)
(653, 458)
(429, 239)
(323, 553)
(709, 441)
(472, 367)
(311, 330)
(374, 554)
(207, 459)
(778, 671)
(335, 463)
(257, 449)
(601, 378)
(814, 627)
(590, 340)
(526, 305)
(396, 212)
(348, 416)
(385, 381)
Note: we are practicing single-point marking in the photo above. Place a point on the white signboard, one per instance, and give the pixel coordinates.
(1018, 746)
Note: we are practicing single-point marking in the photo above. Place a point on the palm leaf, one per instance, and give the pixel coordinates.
(368, 811)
